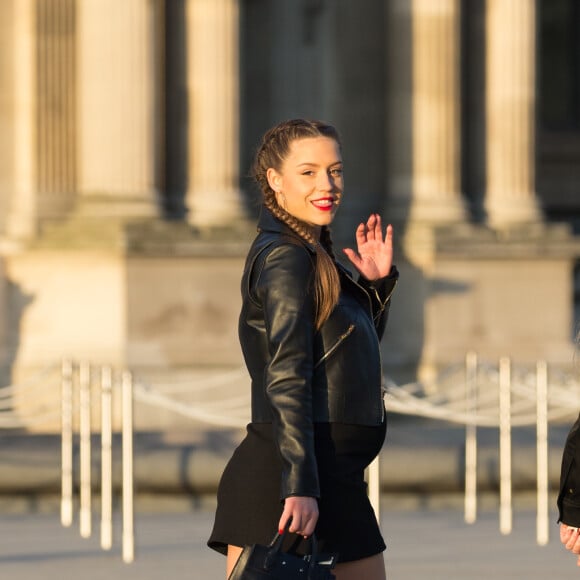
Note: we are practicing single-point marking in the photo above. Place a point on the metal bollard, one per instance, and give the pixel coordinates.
(106, 459)
(505, 444)
(85, 450)
(542, 524)
(66, 501)
(106, 436)
(127, 438)
(470, 507)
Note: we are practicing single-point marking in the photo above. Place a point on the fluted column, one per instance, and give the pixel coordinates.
(436, 166)
(510, 111)
(431, 193)
(55, 111)
(213, 196)
(21, 221)
(119, 106)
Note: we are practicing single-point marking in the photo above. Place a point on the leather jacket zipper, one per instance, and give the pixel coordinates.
(385, 302)
(340, 339)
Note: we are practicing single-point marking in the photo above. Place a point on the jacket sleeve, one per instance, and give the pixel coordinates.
(380, 292)
(569, 496)
(285, 291)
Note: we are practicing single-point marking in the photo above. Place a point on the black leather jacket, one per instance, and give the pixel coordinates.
(569, 495)
(301, 376)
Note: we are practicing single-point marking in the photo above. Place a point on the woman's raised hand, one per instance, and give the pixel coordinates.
(374, 255)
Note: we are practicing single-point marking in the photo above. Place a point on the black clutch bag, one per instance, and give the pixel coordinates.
(259, 562)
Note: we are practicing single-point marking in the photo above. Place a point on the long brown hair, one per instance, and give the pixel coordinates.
(271, 153)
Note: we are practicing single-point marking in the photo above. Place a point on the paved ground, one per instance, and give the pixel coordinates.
(423, 543)
(425, 532)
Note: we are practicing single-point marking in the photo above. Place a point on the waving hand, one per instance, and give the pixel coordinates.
(374, 255)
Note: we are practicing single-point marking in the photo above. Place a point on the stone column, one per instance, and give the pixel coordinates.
(213, 195)
(119, 107)
(20, 130)
(436, 164)
(55, 109)
(424, 137)
(510, 110)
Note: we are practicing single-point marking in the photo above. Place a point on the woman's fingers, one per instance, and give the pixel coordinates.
(283, 521)
(361, 234)
(573, 543)
(371, 227)
(378, 228)
(308, 529)
(373, 230)
(353, 257)
(374, 253)
(303, 521)
(304, 514)
(565, 533)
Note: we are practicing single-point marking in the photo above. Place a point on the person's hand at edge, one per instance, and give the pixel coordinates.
(570, 537)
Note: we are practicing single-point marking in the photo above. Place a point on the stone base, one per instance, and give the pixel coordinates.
(498, 294)
(154, 297)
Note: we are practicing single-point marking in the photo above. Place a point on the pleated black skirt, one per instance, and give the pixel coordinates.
(249, 506)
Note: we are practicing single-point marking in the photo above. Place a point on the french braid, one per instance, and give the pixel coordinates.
(271, 153)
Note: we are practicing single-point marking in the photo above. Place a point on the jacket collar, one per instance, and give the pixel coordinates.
(267, 222)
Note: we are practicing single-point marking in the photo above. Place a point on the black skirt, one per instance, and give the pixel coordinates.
(249, 505)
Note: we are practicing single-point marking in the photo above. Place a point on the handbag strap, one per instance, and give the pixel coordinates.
(276, 546)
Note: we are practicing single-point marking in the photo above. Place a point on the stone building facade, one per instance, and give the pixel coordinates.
(128, 127)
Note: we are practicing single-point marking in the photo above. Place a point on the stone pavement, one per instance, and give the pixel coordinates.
(421, 513)
(423, 543)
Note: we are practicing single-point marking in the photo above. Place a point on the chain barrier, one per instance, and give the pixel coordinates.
(474, 394)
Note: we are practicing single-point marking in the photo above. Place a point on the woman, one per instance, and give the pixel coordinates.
(310, 339)
(569, 496)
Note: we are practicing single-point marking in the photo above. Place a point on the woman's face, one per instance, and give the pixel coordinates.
(309, 183)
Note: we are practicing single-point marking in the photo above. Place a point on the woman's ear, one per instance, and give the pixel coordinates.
(274, 179)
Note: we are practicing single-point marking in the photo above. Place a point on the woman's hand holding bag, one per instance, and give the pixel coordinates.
(259, 562)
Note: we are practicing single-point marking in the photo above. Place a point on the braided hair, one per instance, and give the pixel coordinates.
(271, 153)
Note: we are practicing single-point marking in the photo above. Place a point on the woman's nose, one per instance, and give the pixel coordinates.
(325, 182)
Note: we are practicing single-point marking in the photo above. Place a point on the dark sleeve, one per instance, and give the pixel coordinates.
(285, 291)
(569, 496)
(380, 292)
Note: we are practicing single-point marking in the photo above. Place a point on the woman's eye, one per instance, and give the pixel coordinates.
(336, 172)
